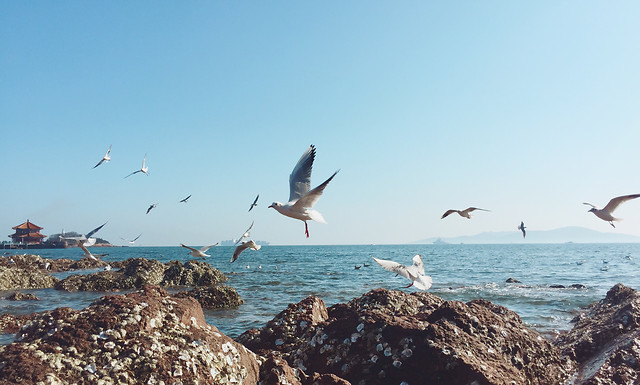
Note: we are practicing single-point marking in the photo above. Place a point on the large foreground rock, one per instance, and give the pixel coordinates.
(134, 273)
(391, 337)
(605, 340)
(146, 337)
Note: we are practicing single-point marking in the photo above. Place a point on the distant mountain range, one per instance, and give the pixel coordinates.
(561, 235)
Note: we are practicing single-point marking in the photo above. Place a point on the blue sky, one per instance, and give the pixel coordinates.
(524, 109)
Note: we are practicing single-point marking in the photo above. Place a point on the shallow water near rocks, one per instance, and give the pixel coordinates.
(274, 276)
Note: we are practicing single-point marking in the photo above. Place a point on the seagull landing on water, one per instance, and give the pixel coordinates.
(87, 253)
(153, 206)
(464, 213)
(606, 213)
(255, 203)
(199, 253)
(185, 199)
(414, 272)
(250, 244)
(521, 228)
(301, 198)
(105, 158)
(144, 169)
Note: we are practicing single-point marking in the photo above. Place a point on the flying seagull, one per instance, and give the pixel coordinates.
(87, 253)
(521, 228)
(250, 244)
(414, 272)
(144, 169)
(464, 213)
(606, 213)
(301, 198)
(244, 235)
(255, 203)
(105, 158)
(86, 239)
(199, 253)
(153, 206)
(133, 240)
(185, 199)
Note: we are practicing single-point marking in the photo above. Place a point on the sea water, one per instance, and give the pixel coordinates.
(274, 276)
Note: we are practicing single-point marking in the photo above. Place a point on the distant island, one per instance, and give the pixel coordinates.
(573, 234)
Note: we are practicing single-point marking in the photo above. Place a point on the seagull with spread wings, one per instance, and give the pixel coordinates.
(86, 239)
(199, 253)
(606, 213)
(105, 158)
(185, 199)
(153, 206)
(463, 213)
(522, 228)
(245, 234)
(250, 244)
(144, 169)
(255, 203)
(415, 272)
(87, 253)
(301, 197)
(133, 240)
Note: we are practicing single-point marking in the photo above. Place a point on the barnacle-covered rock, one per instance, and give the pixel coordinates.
(13, 278)
(144, 337)
(134, 273)
(214, 297)
(392, 337)
(605, 340)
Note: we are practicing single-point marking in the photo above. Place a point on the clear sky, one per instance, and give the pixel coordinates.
(526, 109)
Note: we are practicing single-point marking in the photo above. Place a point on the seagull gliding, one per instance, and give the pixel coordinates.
(463, 213)
(105, 158)
(606, 213)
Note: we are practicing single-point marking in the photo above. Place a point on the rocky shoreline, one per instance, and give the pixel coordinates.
(149, 336)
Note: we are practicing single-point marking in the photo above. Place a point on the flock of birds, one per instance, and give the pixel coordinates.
(300, 206)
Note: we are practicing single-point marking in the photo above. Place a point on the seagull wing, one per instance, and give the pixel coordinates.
(589, 204)
(236, 253)
(243, 234)
(255, 202)
(99, 163)
(310, 198)
(185, 199)
(135, 172)
(90, 233)
(83, 247)
(205, 248)
(190, 248)
(447, 213)
(418, 265)
(136, 238)
(394, 267)
(422, 282)
(615, 202)
(108, 151)
(470, 209)
(300, 178)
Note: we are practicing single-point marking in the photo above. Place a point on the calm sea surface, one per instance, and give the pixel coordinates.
(271, 278)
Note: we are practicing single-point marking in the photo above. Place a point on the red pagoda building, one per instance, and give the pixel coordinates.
(27, 233)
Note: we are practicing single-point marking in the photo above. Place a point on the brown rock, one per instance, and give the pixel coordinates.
(605, 340)
(391, 337)
(13, 278)
(18, 296)
(142, 337)
(214, 297)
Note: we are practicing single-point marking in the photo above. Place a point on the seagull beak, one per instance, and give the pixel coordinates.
(270, 207)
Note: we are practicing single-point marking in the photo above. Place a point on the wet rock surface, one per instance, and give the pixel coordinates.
(19, 296)
(36, 262)
(392, 337)
(134, 273)
(605, 341)
(143, 337)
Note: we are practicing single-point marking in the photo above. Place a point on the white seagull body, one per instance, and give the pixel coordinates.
(301, 197)
(245, 234)
(86, 239)
(606, 213)
(464, 213)
(522, 228)
(250, 244)
(144, 169)
(88, 254)
(199, 253)
(414, 272)
(105, 158)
